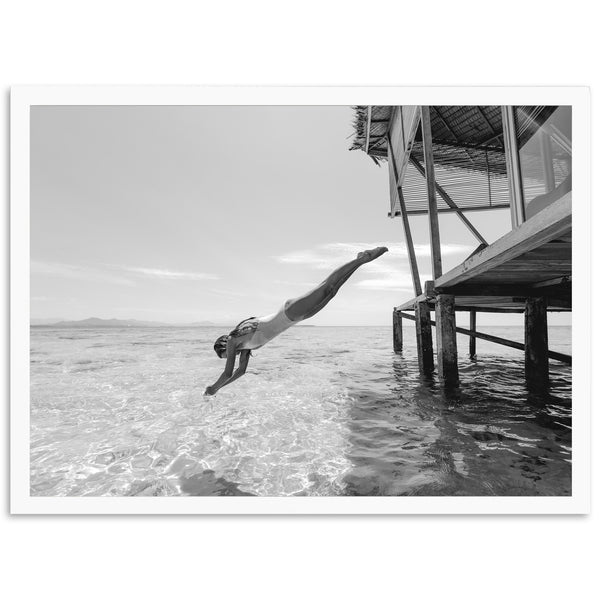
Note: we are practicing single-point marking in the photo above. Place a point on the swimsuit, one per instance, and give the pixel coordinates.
(264, 328)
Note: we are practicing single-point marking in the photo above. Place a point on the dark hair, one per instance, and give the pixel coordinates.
(240, 329)
(221, 345)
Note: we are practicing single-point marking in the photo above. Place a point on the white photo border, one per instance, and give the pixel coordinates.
(23, 97)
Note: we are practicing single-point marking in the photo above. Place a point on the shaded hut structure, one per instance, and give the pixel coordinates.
(457, 159)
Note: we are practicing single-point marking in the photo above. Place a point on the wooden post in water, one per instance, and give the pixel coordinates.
(447, 358)
(536, 341)
(397, 332)
(424, 340)
(473, 339)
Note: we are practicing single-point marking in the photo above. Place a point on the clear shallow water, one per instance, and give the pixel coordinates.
(321, 411)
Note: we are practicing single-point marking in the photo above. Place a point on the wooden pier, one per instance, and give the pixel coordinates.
(480, 158)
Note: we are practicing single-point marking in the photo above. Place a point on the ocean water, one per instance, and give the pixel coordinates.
(321, 411)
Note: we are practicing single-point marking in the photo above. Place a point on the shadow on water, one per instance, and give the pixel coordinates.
(492, 435)
(208, 484)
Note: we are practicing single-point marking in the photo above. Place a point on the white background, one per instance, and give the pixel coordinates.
(321, 43)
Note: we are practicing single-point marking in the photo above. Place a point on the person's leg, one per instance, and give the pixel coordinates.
(311, 303)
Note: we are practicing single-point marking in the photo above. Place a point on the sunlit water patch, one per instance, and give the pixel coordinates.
(321, 411)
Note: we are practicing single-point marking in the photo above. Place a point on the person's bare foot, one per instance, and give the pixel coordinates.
(369, 255)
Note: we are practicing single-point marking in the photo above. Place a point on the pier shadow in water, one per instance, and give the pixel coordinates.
(491, 435)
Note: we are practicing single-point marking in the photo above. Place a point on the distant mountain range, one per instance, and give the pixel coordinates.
(44, 321)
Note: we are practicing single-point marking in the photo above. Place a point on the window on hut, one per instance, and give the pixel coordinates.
(544, 139)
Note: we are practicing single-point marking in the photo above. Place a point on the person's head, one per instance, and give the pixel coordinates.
(221, 346)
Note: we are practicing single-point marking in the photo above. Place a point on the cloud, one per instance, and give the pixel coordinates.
(166, 274)
(391, 272)
(225, 293)
(302, 284)
(330, 256)
(397, 282)
(383, 285)
(110, 273)
(80, 272)
(394, 279)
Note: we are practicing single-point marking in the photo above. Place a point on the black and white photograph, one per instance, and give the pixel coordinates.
(300, 300)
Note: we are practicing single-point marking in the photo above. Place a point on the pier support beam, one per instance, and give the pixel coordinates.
(397, 332)
(424, 339)
(432, 210)
(447, 358)
(513, 166)
(536, 341)
(473, 339)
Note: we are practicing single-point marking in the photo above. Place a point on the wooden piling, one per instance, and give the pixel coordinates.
(536, 341)
(565, 358)
(397, 332)
(473, 339)
(424, 339)
(447, 358)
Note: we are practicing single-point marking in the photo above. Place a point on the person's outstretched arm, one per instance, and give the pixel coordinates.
(228, 375)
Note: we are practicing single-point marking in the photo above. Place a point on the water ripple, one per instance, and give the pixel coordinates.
(121, 413)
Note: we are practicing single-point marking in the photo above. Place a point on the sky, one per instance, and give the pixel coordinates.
(182, 214)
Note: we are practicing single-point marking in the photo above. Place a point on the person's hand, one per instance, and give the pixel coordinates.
(210, 391)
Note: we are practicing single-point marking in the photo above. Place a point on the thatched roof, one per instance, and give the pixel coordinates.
(472, 127)
(478, 127)
(468, 151)
(377, 122)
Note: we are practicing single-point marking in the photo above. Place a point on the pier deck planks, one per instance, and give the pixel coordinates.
(520, 262)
